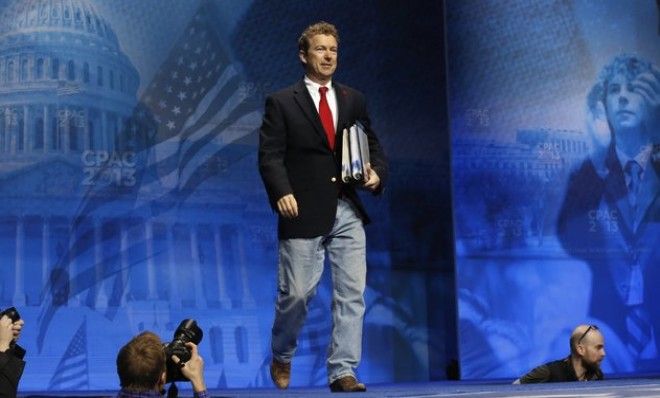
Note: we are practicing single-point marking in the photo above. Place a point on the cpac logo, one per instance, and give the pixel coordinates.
(109, 168)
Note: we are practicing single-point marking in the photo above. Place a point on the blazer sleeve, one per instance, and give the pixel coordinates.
(272, 150)
(376, 153)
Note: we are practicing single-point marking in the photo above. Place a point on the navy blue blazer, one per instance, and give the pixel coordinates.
(295, 158)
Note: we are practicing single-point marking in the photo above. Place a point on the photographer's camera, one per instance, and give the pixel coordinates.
(186, 332)
(11, 313)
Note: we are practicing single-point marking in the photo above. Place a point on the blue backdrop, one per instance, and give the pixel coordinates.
(130, 197)
(544, 237)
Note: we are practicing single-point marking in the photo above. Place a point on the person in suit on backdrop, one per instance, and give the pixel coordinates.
(11, 356)
(587, 347)
(299, 162)
(610, 217)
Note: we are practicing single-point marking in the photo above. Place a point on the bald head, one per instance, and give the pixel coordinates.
(583, 334)
(587, 347)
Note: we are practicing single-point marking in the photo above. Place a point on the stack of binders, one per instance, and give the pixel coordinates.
(355, 154)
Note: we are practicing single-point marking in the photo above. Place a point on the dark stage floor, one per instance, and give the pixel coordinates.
(648, 387)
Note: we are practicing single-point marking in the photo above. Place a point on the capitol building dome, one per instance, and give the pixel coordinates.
(65, 85)
(81, 223)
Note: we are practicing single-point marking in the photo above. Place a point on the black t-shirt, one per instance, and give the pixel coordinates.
(556, 371)
(11, 369)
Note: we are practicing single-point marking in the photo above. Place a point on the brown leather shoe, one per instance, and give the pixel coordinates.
(280, 373)
(347, 384)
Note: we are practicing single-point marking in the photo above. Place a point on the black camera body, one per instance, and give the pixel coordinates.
(11, 313)
(187, 331)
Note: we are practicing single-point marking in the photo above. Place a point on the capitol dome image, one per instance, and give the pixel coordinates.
(73, 142)
(65, 85)
(66, 94)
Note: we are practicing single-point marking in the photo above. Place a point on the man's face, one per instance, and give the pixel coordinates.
(321, 58)
(593, 351)
(626, 109)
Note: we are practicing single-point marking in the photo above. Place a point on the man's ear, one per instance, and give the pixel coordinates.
(162, 380)
(302, 56)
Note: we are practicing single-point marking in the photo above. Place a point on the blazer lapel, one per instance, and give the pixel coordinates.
(306, 104)
(649, 190)
(342, 108)
(616, 194)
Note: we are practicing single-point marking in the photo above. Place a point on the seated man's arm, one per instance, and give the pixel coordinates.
(539, 374)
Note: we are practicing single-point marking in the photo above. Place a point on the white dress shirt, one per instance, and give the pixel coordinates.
(313, 89)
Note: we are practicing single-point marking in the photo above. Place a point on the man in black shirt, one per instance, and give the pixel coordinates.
(583, 364)
(11, 356)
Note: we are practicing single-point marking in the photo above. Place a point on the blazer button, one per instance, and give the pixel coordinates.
(333, 179)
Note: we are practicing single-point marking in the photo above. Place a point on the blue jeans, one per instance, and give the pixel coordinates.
(299, 272)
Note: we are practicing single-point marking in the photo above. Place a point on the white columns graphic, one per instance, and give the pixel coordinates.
(200, 302)
(74, 299)
(123, 272)
(13, 130)
(48, 141)
(45, 251)
(101, 295)
(26, 129)
(4, 138)
(65, 132)
(85, 129)
(19, 283)
(225, 301)
(104, 130)
(247, 299)
(175, 299)
(152, 293)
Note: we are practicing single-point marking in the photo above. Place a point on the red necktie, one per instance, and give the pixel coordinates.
(326, 117)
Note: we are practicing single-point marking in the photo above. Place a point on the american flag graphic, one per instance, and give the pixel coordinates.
(193, 109)
(73, 371)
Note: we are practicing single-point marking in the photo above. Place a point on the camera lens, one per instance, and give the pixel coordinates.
(187, 331)
(11, 313)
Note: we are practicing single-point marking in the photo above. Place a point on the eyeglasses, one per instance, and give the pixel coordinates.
(591, 327)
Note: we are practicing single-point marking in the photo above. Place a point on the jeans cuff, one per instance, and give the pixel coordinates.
(339, 376)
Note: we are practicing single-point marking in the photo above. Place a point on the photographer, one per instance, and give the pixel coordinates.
(11, 354)
(142, 368)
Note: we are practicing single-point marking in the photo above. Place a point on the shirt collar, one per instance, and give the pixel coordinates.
(642, 157)
(313, 86)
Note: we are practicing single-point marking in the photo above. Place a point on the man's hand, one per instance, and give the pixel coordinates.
(193, 369)
(287, 206)
(372, 181)
(6, 333)
(599, 131)
(16, 328)
(648, 86)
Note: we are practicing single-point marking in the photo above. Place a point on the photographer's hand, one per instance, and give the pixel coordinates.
(193, 369)
(6, 333)
(16, 329)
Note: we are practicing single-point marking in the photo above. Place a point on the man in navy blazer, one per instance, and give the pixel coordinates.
(318, 214)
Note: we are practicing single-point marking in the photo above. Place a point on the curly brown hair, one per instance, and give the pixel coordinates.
(629, 65)
(319, 28)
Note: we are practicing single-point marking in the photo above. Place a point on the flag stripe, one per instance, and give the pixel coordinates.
(72, 372)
